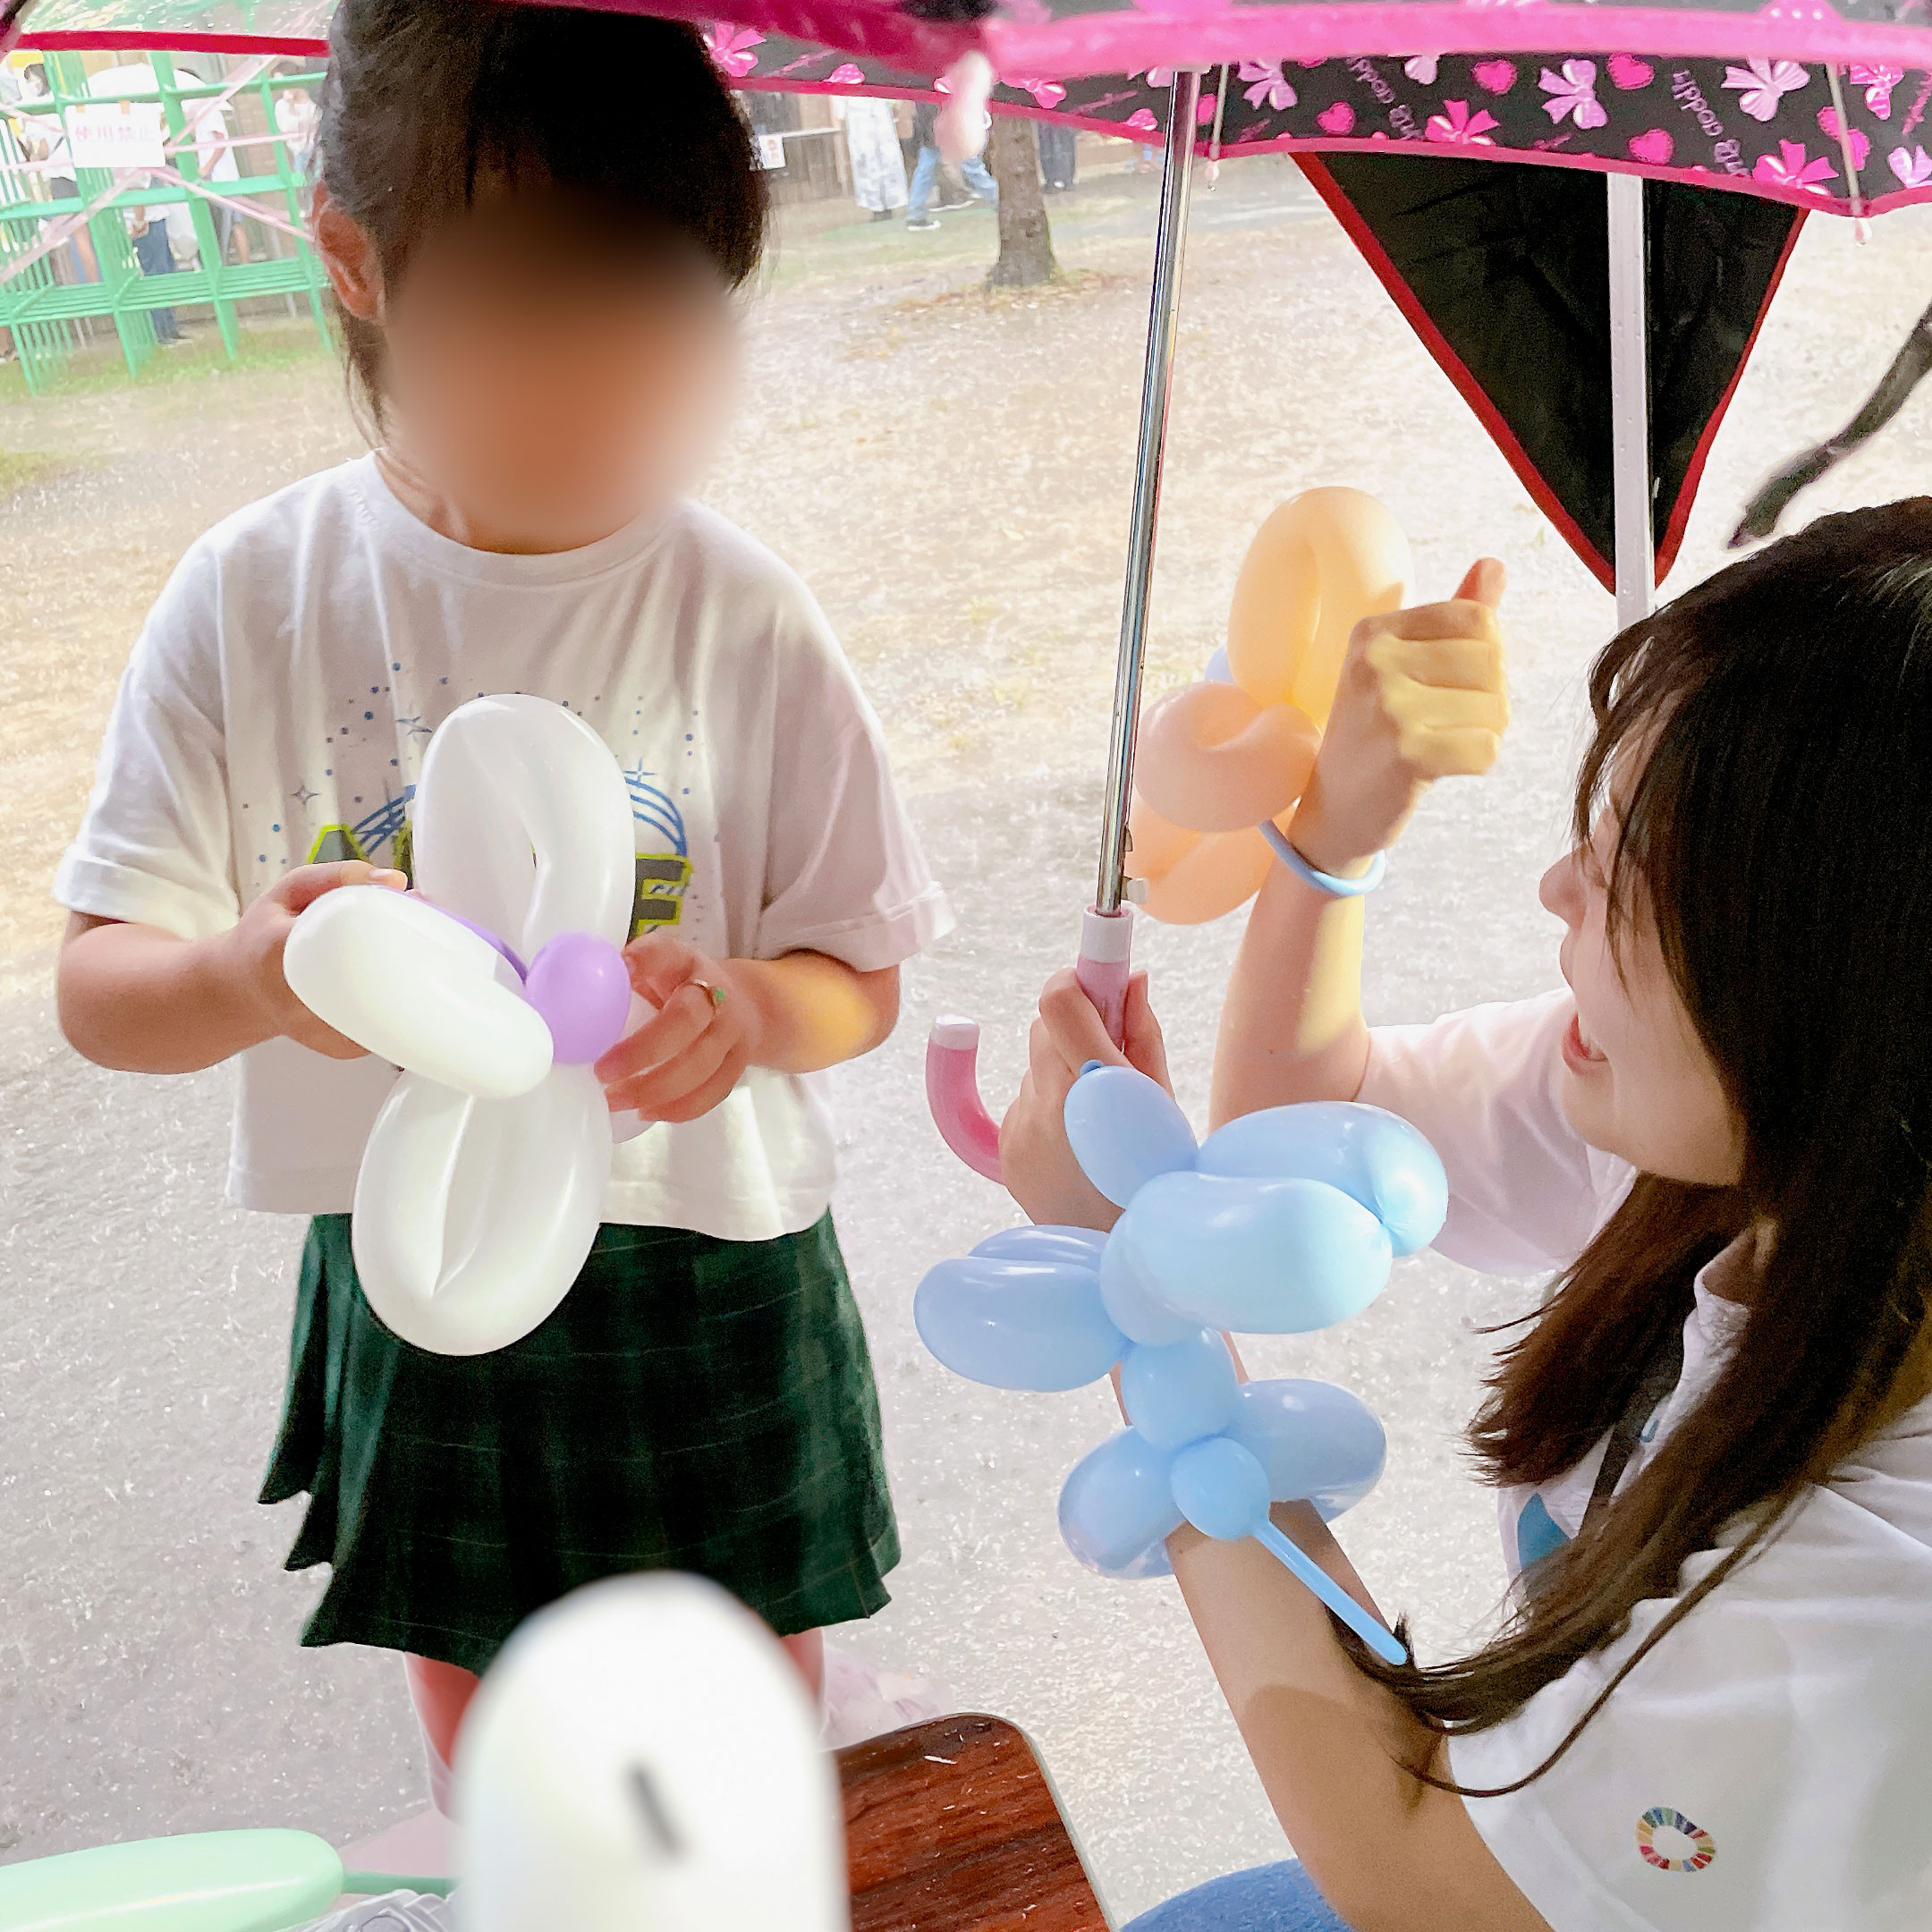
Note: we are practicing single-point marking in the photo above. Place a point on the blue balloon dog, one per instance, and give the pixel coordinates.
(1281, 1223)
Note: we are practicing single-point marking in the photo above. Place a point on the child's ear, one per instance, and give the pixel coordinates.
(349, 255)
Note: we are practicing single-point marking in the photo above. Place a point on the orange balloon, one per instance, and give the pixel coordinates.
(1194, 876)
(1317, 567)
(1213, 759)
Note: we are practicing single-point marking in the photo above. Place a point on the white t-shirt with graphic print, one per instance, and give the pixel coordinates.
(275, 711)
(1769, 1767)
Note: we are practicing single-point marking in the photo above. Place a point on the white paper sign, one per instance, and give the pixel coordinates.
(117, 134)
(771, 150)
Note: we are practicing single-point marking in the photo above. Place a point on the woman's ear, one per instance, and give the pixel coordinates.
(349, 255)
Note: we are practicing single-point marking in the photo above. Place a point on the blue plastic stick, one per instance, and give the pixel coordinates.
(1300, 1563)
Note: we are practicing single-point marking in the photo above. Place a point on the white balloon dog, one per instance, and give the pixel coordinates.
(643, 1755)
(494, 985)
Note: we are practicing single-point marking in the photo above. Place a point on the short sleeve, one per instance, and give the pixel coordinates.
(1526, 1193)
(1764, 1770)
(845, 874)
(156, 847)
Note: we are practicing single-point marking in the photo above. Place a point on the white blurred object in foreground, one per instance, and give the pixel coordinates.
(644, 1757)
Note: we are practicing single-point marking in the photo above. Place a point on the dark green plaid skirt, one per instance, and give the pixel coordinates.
(693, 1404)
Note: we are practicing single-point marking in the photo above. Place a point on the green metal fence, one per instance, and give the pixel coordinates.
(44, 304)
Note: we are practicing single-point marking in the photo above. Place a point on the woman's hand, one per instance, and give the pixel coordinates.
(1422, 697)
(694, 1049)
(1041, 1173)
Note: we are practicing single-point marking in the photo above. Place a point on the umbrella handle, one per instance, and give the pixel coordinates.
(952, 1093)
(1104, 965)
(952, 1047)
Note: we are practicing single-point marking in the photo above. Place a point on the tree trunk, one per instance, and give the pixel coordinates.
(1026, 255)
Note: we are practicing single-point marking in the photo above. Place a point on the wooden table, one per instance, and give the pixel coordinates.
(953, 1826)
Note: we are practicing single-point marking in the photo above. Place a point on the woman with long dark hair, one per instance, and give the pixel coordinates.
(1710, 1705)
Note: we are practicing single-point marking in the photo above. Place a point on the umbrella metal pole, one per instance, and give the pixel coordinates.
(1630, 401)
(1107, 938)
(1104, 948)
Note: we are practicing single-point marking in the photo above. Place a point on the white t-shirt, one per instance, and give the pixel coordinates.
(295, 118)
(1769, 1767)
(275, 710)
(213, 154)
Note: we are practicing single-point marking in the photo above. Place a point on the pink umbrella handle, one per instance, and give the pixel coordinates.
(952, 1048)
(952, 1093)
(1105, 965)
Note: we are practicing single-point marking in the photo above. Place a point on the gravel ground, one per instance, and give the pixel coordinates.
(950, 471)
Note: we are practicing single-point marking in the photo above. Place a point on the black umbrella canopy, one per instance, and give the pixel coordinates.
(1503, 271)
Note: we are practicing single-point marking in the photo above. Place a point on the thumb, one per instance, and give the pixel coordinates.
(1483, 582)
(298, 890)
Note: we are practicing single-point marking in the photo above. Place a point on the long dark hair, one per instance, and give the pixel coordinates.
(1780, 837)
(627, 116)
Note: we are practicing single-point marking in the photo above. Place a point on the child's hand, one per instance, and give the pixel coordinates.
(254, 952)
(1041, 1173)
(1422, 697)
(681, 1062)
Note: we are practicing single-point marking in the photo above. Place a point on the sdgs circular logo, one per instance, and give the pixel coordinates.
(1668, 1840)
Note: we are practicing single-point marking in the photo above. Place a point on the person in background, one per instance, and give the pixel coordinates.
(295, 117)
(147, 230)
(46, 143)
(1057, 157)
(872, 146)
(215, 155)
(926, 173)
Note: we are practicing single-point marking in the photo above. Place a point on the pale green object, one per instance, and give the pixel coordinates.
(238, 1881)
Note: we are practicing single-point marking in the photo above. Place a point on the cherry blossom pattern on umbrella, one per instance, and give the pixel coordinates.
(1790, 167)
(1574, 92)
(1763, 83)
(1457, 124)
(1389, 98)
(1271, 87)
(731, 49)
(1047, 94)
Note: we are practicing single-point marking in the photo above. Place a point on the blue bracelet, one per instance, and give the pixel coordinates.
(1323, 882)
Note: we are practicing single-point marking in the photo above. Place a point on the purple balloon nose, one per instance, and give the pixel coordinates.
(578, 985)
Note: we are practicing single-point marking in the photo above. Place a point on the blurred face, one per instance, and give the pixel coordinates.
(551, 379)
(1636, 1082)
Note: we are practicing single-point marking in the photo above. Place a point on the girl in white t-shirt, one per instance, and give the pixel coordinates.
(534, 219)
(1710, 1706)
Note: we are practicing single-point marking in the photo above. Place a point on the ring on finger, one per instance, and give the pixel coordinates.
(715, 994)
